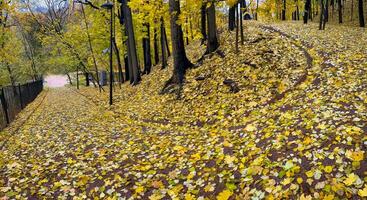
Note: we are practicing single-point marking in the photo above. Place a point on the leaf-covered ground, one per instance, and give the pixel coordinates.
(296, 128)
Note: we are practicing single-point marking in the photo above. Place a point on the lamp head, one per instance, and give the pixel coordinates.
(108, 5)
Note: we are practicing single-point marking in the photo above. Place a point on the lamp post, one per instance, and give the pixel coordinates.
(109, 6)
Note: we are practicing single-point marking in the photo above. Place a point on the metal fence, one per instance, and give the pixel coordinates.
(14, 98)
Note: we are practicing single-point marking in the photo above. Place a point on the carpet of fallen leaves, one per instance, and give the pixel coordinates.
(296, 129)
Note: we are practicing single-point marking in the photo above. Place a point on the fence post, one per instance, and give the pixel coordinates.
(5, 106)
(20, 96)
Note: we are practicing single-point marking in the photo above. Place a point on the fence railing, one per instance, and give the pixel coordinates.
(14, 98)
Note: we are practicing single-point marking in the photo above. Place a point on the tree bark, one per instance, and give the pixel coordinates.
(119, 65)
(242, 6)
(135, 77)
(307, 11)
(284, 10)
(180, 61)
(146, 51)
(237, 29)
(340, 9)
(360, 12)
(155, 43)
(321, 14)
(163, 45)
(232, 18)
(212, 43)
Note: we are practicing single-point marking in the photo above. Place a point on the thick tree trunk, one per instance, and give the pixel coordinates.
(180, 61)
(212, 44)
(340, 9)
(133, 58)
(361, 15)
(127, 73)
(203, 23)
(232, 18)
(307, 11)
(146, 49)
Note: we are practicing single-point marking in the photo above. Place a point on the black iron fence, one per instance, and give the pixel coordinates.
(14, 98)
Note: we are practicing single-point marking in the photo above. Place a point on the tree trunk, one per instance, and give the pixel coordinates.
(163, 45)
(77, 77)
(132, 56)
(212, 44)
(11, 75)
(118, 57)
(340, 9)
(146, 50)
(321, 14)
(203, 23)
(242, 6)
(156, 51)
(284, 11)
(326, 12)
(187, 31)
(70, 81)
(352, 10)
(360, 12)
(307, 11)
(232, 18)
(237, 29)
(127, 73)
(180, 61)
(166, 41)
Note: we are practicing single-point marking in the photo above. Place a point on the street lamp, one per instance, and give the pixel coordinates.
(109, 6)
